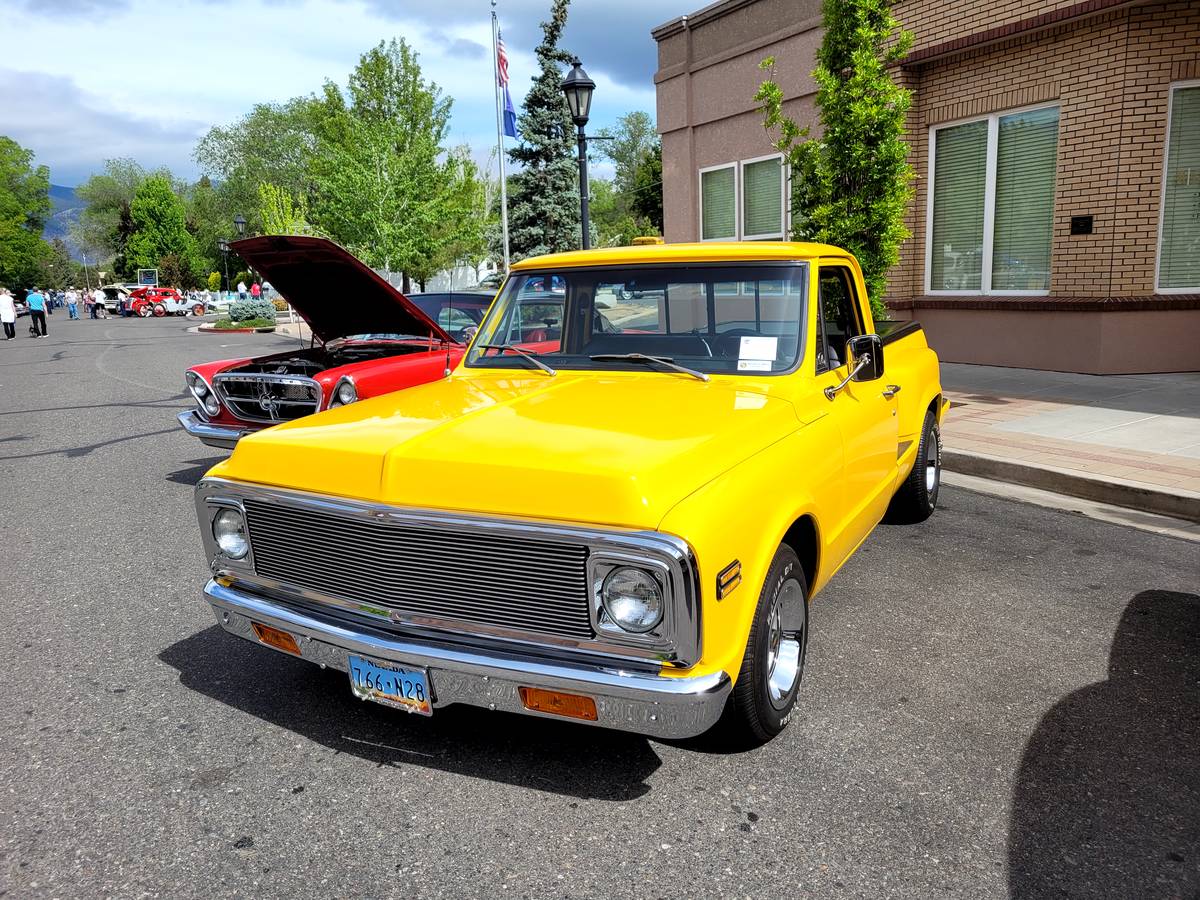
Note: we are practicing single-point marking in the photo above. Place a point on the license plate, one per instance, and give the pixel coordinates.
(406, 689)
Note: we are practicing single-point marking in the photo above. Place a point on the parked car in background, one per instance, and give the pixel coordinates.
(368, 339)
(160, 301)
(614, 515)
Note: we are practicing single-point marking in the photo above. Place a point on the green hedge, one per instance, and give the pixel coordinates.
(252, 309)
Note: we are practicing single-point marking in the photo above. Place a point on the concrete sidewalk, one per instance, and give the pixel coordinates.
(1128, 440)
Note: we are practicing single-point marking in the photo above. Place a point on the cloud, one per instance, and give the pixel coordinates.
(73, 132)
(611, 36)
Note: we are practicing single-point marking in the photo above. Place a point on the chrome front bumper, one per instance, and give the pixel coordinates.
(628, 701)
(213, 435)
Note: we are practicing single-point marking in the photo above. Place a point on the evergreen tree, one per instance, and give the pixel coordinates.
(852, 185)
(543, 205)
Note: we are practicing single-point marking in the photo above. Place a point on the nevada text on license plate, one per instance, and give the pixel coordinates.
(406, 689)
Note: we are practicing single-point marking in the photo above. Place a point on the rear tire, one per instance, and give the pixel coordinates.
(917, 497)
(768, 683)
(159, 310)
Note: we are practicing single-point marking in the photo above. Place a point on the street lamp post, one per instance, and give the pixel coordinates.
(240, 224)
(223, 246)
(578, 88)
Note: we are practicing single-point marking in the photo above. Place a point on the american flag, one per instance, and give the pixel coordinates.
(501, 61)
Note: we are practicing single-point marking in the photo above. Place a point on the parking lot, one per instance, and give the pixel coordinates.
(1005, 699)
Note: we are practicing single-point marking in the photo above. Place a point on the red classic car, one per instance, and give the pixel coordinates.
(368, 339)
(158, 301)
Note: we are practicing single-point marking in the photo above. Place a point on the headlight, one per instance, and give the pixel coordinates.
(344, 393)
(210, 404)
(229, 528)
(632, 599)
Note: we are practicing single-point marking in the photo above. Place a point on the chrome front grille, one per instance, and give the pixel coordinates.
(425, 575)
(268, 398)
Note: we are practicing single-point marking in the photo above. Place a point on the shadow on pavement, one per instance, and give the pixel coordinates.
(195, 470)
(1107, 798)
(561, 758)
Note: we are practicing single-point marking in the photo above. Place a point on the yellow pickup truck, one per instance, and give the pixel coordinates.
(615, 510)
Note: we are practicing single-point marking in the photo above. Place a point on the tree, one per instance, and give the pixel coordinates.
(104, 225)
(647, 189)
(632, 140)
(852, 185)
(280, 213)
(160, 230)
(272, 144)
(384, 184)
(543, 212)
(24, 208)
(58, 270)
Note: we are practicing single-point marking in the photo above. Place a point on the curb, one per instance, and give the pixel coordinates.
(1179, 504)
(204, 329)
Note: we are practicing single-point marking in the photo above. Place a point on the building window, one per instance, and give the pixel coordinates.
(991, 211)
(718, 203)
(1179, 241)
(762, 199)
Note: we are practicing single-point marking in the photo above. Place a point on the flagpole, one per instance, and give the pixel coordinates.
(500, 132)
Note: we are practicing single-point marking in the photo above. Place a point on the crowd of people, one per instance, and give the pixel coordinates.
(41, 303)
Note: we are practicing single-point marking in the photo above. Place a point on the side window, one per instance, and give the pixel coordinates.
(838, 316)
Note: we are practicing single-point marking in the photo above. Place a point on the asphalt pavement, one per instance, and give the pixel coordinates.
(1005, 699)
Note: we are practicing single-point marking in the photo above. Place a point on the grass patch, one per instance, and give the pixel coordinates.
(227, 324)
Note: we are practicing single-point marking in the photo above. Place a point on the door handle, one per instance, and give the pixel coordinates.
(891, 391)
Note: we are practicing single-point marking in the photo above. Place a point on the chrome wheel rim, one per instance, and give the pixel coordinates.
(933, 465)
(785, 648)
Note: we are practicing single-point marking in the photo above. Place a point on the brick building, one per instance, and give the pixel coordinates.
(1056, 219)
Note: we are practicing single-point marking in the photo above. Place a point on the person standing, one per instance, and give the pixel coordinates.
(255, 291)
(72, 304)
(8, 314)
(241, 290)
(98, 310)
(36, 301)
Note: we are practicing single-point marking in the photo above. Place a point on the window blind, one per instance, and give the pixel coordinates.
(1026, 158)
(762, 198)
(1179, 252)
(959, 183)
(717, 204)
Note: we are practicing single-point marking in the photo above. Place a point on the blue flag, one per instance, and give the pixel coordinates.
(510, 116)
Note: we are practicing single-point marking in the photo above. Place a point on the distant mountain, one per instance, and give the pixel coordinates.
(67, 207)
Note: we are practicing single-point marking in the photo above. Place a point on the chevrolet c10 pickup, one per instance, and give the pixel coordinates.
(615, 510)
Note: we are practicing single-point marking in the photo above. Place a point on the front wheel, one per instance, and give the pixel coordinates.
(144, 311)
(917, 497)
(768, 683)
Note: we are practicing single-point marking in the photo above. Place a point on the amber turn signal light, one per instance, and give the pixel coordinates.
(273, 637)
(573, 706)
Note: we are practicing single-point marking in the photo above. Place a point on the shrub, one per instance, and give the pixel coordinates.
(280, 304)
(214, 281)
(252, 309)
(226, 324)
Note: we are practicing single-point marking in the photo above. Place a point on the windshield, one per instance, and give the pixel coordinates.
(742, 319)
(455, 313)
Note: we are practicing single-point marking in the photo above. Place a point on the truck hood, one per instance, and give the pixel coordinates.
(613, 449)
(333, 291)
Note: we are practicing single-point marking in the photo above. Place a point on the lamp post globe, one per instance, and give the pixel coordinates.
(578, 89)
(240, 224)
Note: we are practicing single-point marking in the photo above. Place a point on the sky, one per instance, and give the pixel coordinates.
(90, 80)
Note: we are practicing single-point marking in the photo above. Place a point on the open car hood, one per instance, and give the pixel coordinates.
(333, 291)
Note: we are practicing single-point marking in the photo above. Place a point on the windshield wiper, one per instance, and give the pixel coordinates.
(532, 357)
(642, 357)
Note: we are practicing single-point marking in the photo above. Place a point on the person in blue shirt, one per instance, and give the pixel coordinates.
(37, 312)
